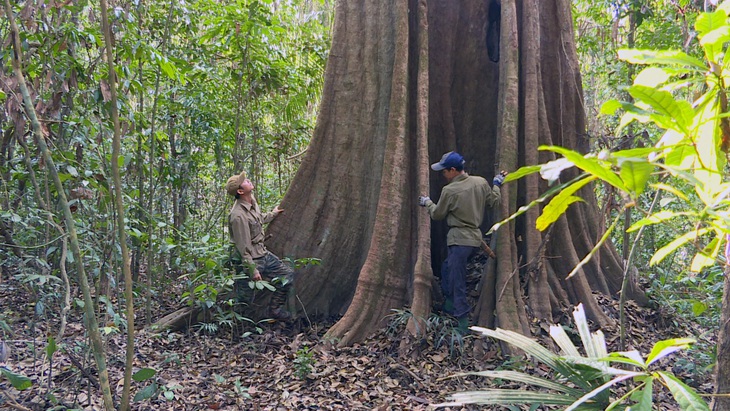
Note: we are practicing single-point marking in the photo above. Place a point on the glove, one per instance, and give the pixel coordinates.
(499, 179)
(423, 200)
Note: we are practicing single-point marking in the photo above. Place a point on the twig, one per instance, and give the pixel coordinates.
(411, 373)
(292, 157)
(11, 402)
(506, 283)
(305, 311)
(30, 247)
(81, 368)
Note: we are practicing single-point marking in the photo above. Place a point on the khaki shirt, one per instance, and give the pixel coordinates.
(462, 203)
(246, 229)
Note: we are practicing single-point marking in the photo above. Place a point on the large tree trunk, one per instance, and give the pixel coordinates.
(352, 203)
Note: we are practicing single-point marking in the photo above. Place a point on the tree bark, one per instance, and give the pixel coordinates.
(119, 206)
(722, 368)
(352, 202)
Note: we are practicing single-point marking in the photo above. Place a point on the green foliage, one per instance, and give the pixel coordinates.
(204, 89)
(583, 382)
(689, 154)
(144, 374)
(303, 362)
(443, 331)
(18, 381)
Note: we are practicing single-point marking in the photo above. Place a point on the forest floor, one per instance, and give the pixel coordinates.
(288, 366)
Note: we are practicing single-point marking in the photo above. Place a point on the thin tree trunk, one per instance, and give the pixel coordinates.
(121, 231)
(722, 368)
(91, 322)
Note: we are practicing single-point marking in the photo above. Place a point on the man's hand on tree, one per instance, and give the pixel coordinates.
(499, 178)
(423, 201)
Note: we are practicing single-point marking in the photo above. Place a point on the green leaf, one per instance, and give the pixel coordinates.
(585, 398)
(706, 257)
(663, 252)
(700, 261)
(503, 397)
(663, 348)
(610, 107)
(665, 187)
(51, 348)
(634, 153)
(144, 374)
(524, 343)
(670, 57)
(643, 398)
(655, 218)
(686, 397)
(635, 173)
(595, 249)
(698, 307)
(716, 37)
(589, 165)
(664, 104)
(521, 172)
(709, 25)
(627, 357)
(19, 382)
(559, 204)
(707, 22)
(146, 393)
(526, 379)
(564, 342)
(523, 209)
(652, 77)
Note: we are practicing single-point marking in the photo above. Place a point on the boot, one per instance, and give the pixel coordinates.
(280, 314)
(276, 306)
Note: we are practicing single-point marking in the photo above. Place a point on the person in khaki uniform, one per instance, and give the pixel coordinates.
(462, 204)
(248, 252)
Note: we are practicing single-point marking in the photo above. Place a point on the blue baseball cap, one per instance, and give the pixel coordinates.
(449, 160)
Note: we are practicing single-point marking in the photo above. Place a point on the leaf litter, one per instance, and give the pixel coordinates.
(288, 367)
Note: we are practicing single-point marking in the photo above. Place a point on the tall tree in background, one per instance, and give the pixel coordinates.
(353, 201)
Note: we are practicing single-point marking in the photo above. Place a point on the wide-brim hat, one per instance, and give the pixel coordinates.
(234, 183)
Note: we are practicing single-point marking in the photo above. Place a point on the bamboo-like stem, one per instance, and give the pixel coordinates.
(91, 322)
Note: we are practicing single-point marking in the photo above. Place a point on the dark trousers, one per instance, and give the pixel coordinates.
(272, 269)
(453, 278)
(281, 275)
